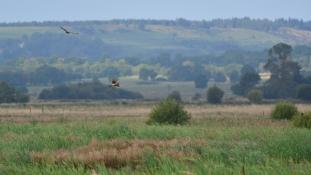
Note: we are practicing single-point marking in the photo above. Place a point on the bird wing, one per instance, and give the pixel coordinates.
(64, 29)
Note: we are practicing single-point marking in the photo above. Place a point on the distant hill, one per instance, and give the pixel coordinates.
(125, 38)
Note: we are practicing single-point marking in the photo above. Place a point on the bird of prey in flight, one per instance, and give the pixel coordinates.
(67, 31)
(115, 83)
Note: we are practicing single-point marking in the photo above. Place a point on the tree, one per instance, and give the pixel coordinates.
(219, 77)
(247, 69)
(112, 73)
(147, 74)
(247, 82)
(50, 75)
(234, 76)
(9, 94)
(285, 74)
(214, 95)
(200, 81)
(303, 92)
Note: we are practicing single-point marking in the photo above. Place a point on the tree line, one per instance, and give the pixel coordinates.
(246, 22)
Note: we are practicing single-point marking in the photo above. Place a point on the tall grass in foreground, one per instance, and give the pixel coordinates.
(214, 146)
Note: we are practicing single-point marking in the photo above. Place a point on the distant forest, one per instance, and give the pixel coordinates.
(256, 24)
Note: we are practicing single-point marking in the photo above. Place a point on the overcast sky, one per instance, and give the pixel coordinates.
(42, 10)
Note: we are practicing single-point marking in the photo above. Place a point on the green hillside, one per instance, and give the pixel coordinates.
(132, 38)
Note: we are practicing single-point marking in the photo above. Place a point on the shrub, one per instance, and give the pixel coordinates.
(175, 95)
(255, 96)
(169, 112)
(304, 92)
(214, 95)
(284, 110)
(303, 120)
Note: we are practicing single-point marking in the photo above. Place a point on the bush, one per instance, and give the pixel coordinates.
(169, 112)
(255, 96)
(304, 92)
(284, 110)
(214, 95)
(303, 120)
(175, 95)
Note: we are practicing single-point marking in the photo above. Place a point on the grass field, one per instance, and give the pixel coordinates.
(112, 138)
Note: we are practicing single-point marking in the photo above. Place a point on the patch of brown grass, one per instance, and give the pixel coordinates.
(119, 153)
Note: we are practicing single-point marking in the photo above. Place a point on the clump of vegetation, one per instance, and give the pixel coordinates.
(214, 95)
(303, 120)
(169, 112)
(284, 110)
(175, 95)
(9, 94)
(255, 96)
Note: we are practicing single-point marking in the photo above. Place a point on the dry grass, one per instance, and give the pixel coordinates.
(119, 153)
(51, 113)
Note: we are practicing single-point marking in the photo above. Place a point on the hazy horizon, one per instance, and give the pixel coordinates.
(80, 10)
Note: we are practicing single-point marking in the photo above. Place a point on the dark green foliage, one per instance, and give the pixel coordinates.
(255, 96)
(247, 82)
(50, 75)
(9, 94)
(214, 95)
(43, 75)
(181, 72)
(247, 69)
(234, 76)
(303, 120)
(147, 74)
(89, 90)
(284, 110)
(14, 78)
(285, 74)
(219, 77)
(175, 95)
(303, 92)
(200, 81)
(112, 73)
(169, 112)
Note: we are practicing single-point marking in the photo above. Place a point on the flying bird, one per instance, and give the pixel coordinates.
(115, 83)
(67, 31)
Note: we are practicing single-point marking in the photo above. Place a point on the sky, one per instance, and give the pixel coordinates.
(73, 10)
